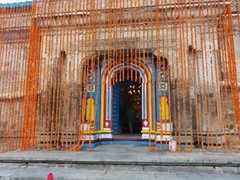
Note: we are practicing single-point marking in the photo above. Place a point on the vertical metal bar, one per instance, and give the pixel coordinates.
(233, 75)
(31, 85)
(2, 22)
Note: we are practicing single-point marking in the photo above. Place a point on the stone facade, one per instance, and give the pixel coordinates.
(85, 44)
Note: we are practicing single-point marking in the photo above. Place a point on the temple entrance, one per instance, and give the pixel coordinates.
(126, 100)
(130, 108)
(127, 107)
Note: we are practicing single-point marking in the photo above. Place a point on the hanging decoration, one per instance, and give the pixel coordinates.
(59, 62)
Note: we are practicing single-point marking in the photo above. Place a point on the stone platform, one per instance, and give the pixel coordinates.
(117, 162)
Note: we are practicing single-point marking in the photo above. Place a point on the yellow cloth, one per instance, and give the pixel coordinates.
(83, 109)
(90, 114)
(164, 108)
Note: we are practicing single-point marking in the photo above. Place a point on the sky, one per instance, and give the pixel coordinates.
(12, 1)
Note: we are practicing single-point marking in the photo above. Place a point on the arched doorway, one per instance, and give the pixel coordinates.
(127, 105)
(137, 75)
(151, 75)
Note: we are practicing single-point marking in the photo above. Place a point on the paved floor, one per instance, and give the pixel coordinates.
(118, 162)
(35, 172)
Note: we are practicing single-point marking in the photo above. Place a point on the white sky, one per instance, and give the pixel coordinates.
(11, 1)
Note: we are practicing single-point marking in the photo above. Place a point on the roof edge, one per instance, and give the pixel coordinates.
(16, 4)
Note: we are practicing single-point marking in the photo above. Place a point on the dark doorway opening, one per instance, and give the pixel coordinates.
(127, 102)
(130, 109)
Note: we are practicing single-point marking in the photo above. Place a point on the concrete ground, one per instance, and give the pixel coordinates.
(118, 162)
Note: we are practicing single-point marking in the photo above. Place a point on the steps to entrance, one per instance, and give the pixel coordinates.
(124, 155)
(127, 137)
(117, 162)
